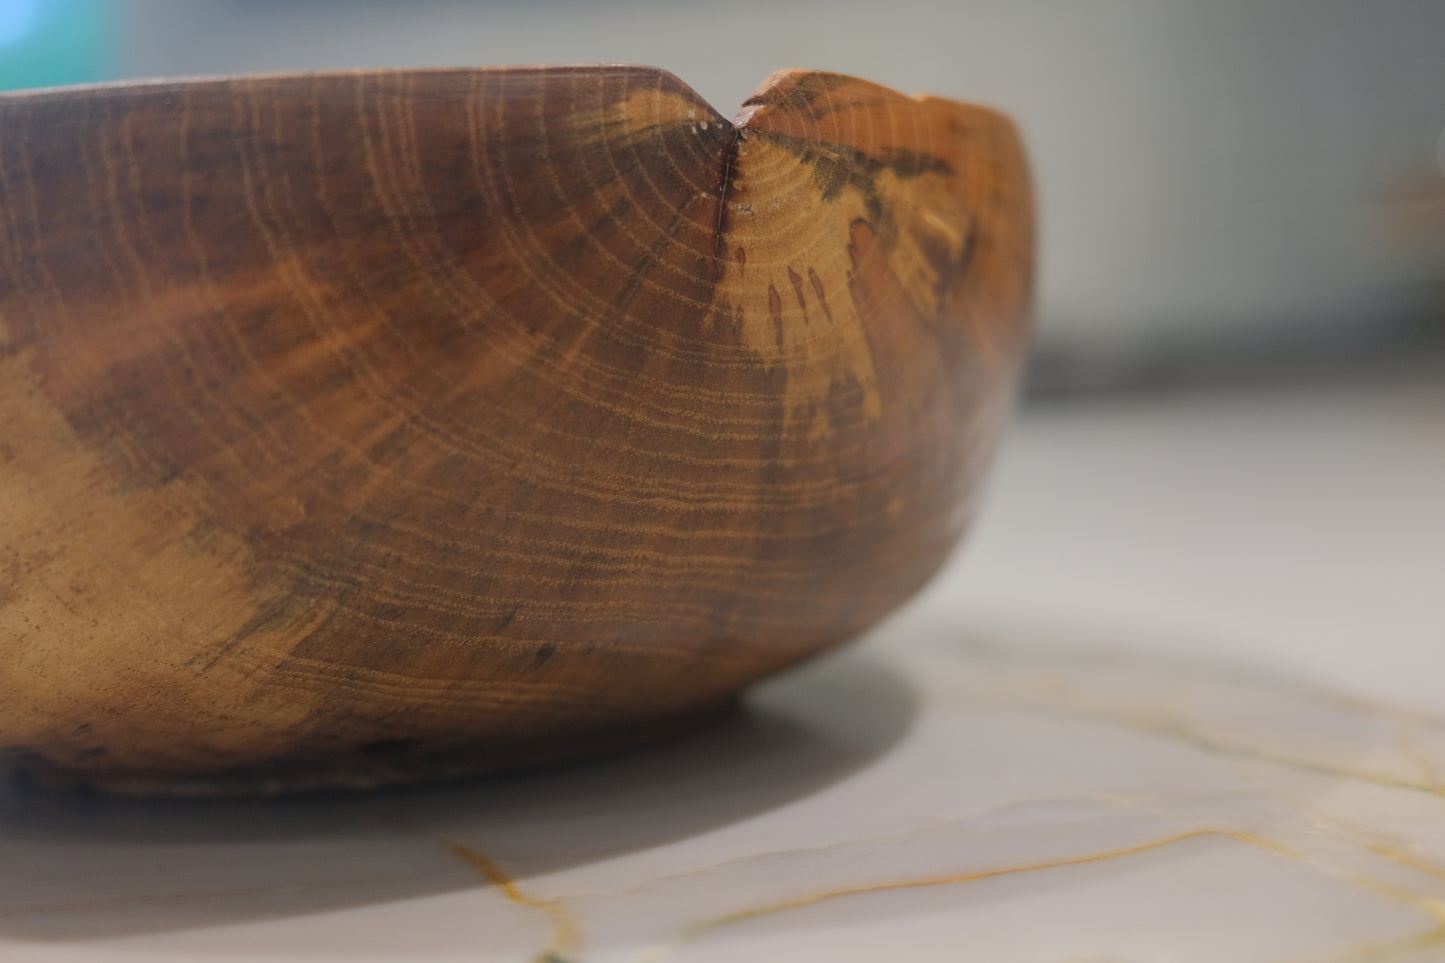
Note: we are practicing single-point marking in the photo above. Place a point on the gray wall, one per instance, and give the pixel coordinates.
(1216, 166)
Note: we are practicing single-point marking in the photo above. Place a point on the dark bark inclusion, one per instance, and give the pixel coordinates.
(839, 167)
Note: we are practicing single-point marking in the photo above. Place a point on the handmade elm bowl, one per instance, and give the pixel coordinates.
(369, 427)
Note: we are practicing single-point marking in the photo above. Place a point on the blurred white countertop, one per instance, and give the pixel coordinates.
(1181, 698)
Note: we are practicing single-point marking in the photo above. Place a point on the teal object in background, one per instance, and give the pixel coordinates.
(45, 43)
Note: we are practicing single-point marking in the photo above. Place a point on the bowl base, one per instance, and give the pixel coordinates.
(382, 765)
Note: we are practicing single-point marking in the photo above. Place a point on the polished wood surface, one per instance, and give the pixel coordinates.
(361, 427)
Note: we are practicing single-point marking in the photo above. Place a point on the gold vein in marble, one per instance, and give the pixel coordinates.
(934, 827)
(1405, 859)
(1430, 939)
(811, 899)
(1063, 696)
(1390, 950)
(565, 934)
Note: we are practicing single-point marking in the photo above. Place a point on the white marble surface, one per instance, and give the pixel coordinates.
(1182, 699)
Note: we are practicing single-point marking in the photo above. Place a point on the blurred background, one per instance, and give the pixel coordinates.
(1232, 190)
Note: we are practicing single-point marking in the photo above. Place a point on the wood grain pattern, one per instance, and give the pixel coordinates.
(367, 426)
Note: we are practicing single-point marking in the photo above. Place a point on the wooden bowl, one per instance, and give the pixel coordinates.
(375, 426)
